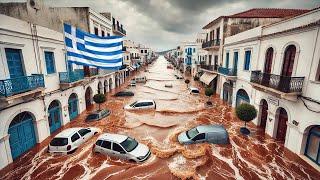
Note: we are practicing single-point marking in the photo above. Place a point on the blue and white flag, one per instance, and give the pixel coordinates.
(92, 50)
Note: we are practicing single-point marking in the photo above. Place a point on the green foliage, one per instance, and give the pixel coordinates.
(246, 112)
(99, 99)
(208, 92)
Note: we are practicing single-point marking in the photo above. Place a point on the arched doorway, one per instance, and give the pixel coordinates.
(117, 81)
(22, 136)
(54, 115)
(100, 88)
(110, 84)
(282, 124)
(242, 97)
(106, 86)
(263, 113)
(73, 106)
(268, 61)
(312, 150)
(88, 97)
(288, 61)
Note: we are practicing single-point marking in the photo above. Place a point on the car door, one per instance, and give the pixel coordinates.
(119, 151)
(200, 138)
(106, 148)
(85, 134)
(138, 105)
(76, 140)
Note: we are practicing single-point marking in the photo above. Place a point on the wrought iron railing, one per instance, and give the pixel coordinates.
(285, 84)
(9, 87)
(209, 67)
(215, 42)
(72, 76)
(227, 71)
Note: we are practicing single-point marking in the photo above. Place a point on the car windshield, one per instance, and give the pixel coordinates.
(129, 144)
(192, 133)
(92, 116)
(195, 91)
(59, 142)
(133, 104)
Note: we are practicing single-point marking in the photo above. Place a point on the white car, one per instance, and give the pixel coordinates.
(122, 147)
(141, 79)
(142, 104)
(70, 139)
(194, 90)
(133, 82)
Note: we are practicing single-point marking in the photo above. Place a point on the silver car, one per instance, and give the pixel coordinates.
(216, 134)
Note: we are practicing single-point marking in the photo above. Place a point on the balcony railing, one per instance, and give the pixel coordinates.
(209, 67)
(72, 76)
(227, 71)
(119, 29)
(211, 43)
(284, 84)
(22, 84)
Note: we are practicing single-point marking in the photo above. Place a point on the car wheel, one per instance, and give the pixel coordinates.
(132, 161)
(95, 133)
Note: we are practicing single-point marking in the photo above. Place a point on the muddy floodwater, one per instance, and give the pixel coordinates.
(253, 157)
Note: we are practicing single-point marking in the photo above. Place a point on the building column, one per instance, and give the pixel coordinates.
(294, 139)
(271, 124)
(41, 128)
(5, 151)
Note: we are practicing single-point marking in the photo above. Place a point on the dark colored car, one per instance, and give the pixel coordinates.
(124, 93)
(95, 116)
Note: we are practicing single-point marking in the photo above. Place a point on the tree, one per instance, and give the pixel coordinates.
(99, 99)
(209, 92)
(187, 81)
(246, 112)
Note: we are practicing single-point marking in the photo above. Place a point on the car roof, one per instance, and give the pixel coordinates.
(145, 100)
(193, 88)
(211, 128)
(68, 132)
(118, 138)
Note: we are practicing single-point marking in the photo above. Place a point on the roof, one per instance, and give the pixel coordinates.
(118, 138)
(211, 128)
(262, 13)
(68, 132)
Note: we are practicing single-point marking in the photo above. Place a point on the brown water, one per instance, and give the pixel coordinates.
(254, 157)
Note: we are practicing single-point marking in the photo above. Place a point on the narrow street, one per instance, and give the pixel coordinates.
(253, 157)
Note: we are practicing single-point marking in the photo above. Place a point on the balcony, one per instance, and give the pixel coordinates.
(21, 86)
(212, 68)
(119, 30)
(212, 44)
(70, 79)
(91, 72)
(227, 71)
(284, 86)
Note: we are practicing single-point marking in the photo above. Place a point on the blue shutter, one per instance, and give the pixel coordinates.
(14, 62)
(227, 60)
(247, 60)
(49, 58)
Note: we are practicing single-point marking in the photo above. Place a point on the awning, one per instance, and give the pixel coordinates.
(207, 78)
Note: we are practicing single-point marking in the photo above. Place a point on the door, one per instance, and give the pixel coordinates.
(200, 138)
(215, 62)
(85, 134)
(88, 97)
(264, 114)
(118, 151)
(73, 106)
(14, 61)
(267, 67)
(282, 125)
(106, 148)
(235, 60)
(287, 68)
(54, 117)
(22, 135)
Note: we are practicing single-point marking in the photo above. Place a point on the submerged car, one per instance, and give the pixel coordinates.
(216, 134)
(97, 115)
(142, 104)
(142, 79)
(124, 93)
(133, 82)
(70, 139)
(194, 90)
(122, 147)
(168, 85)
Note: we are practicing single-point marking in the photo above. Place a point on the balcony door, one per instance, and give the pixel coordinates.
(268, 61)
(14, 61)
(210, 57)
(235, 60)
(282, 124)
(288, 60)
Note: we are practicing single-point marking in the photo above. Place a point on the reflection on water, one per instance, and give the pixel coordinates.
(253, 157)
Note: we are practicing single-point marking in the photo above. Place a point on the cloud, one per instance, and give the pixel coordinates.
(163, 24)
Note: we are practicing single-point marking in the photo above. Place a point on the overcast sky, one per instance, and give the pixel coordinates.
(162, 24)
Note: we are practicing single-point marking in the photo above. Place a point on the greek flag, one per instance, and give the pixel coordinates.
(88, 49)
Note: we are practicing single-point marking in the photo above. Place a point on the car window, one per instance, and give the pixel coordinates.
(195, 91)
(75, 137)
(129, 144)
(149, 103)
(199, 137)
(83, 132)
(117, 147)
(138, 104)
(98, 143)
(59, 142)
(93, 116)
(106, 144)
(133, 104)
(192, 133)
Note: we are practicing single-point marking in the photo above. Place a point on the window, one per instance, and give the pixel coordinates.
(247, 57)
(318, 73)
(75, 137)
(141, 50)
(102, 33)
(145, 51)
(199, 137)
(227, 60)
(106, 144)
(118, 148)
(96, 31)
(194, 50)
(59, 142)
(186, 50)
(83, 132)
(98, 143)
(49, 58)
(108, 34)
